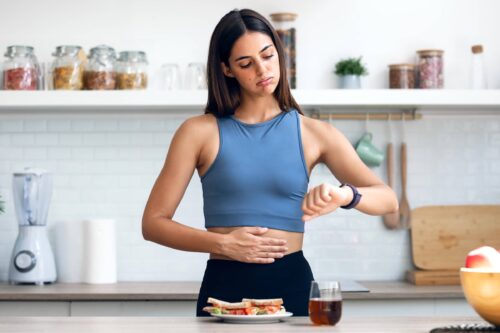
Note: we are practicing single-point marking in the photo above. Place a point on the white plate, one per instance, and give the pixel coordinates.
(253, 319)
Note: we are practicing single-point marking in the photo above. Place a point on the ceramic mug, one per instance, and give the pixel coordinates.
(371, 155)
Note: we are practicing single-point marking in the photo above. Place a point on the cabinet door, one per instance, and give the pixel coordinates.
(34, 308)
(134, 308)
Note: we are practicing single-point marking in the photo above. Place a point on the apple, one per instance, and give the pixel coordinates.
(484, 257)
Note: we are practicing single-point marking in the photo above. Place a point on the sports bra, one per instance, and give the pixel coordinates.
(259, 176)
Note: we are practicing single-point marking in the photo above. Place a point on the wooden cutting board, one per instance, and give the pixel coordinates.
(442, 236)
(436, 277)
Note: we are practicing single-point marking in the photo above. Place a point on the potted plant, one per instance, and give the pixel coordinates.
(350, 71)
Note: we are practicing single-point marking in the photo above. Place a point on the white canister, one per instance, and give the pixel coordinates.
(69, 251)
(99, 254)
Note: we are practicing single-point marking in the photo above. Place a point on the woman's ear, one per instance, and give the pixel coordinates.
(226, 70)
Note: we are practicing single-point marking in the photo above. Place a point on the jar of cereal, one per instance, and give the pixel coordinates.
(402, 76)
(21, 71)
(430, 69)
(100, 71)
(285, 27)
(131, 70)
(67, 69)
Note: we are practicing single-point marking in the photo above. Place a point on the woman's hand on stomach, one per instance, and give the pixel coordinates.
(257, 244)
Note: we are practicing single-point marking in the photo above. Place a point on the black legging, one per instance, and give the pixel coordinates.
(288, 278)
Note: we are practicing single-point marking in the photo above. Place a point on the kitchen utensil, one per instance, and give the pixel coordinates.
(404, 206)
(391, 220)
(32, 259)
(442, 236)
(482, 291)
(371, 155)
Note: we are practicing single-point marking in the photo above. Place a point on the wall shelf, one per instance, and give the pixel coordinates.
(328, 100)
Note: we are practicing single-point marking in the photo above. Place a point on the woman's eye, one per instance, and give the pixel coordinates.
(245, 65)
(269, 56)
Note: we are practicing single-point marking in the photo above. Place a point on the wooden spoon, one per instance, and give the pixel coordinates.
(404, 206)
(391, 220)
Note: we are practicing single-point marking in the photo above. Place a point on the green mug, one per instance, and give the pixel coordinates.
(371, 155)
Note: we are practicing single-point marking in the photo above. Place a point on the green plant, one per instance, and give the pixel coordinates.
(350, 66)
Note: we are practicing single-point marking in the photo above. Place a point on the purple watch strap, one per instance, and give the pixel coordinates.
(355, 198)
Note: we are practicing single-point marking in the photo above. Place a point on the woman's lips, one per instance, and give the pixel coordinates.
(265, 82)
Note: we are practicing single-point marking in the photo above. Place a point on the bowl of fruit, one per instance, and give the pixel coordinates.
(480, 279)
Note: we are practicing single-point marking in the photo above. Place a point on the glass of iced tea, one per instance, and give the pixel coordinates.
(325, 302)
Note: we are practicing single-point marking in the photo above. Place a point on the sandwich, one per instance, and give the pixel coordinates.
(267, 306)
(247, 307)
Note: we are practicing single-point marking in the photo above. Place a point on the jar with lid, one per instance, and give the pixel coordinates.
(285, 27)
(67, 68)
(100, 73)
(430, 69)
(131, 70)
(402, 76)
(21, 71)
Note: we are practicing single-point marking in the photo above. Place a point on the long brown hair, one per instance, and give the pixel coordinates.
(223, 91)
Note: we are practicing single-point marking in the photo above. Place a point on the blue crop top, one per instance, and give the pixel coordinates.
(259, 177)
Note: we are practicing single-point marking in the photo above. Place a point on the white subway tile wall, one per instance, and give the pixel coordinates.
(105, 165)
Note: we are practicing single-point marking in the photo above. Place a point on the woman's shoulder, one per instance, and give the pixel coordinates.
(203, 122)
(323, 132)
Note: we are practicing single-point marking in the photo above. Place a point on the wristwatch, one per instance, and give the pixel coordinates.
(355, 198)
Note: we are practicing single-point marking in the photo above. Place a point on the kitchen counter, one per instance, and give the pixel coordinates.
(188, 291)
(207, 325)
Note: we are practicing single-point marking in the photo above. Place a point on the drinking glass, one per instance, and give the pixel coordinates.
(195, 76)
(170, 77)
(325, 302)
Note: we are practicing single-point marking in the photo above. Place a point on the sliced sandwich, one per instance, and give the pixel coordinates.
(223, 307)
(246, 307)
(267, 306)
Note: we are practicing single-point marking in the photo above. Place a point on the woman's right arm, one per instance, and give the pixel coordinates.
(244, 244)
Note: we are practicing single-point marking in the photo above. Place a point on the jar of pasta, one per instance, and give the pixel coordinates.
(430, 69)
(402, 76)
(100, 72)
(21, 71)
(131, 70)
(285, 27)
(67, 68)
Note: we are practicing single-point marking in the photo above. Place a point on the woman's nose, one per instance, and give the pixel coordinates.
(260, 68)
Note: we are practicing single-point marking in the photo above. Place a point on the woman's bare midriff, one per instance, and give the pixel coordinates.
(294, 239)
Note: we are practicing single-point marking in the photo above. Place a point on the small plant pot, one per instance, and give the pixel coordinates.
(350, 82)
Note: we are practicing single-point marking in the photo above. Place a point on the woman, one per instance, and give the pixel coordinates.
(254, 151)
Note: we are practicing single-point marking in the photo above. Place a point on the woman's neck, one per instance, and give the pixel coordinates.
(257, 109)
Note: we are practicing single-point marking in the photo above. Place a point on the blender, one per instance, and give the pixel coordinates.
(32, 260)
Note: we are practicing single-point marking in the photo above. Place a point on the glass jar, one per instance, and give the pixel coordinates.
(67, 68)
(402, 76)
(285, 27)
(430, 69)
(21, 71)
(99, 73)
(131, 70)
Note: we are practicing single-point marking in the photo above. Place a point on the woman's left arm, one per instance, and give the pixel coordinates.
(339, 156)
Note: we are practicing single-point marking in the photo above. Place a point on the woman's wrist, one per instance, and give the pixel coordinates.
(220, 243)
(348, 195)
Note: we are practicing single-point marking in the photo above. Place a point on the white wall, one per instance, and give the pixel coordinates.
(105, 165)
